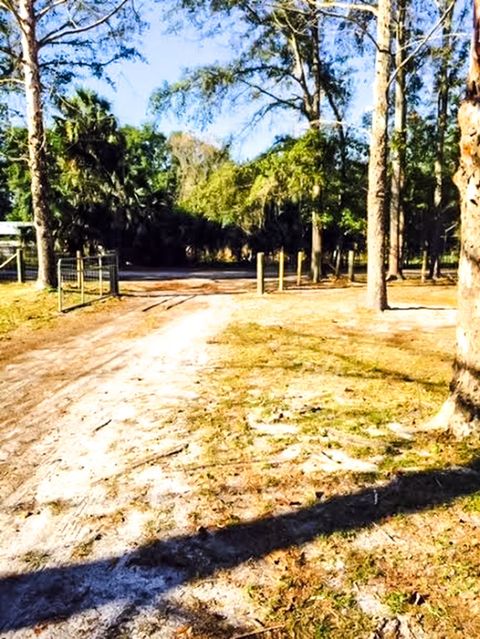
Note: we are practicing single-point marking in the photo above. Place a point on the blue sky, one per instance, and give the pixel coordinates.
(167, 55)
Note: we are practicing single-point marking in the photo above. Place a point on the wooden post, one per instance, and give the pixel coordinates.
(260, 274)
(351, 262)
(424, 265)
(281, 269)
(20, 266)
(115, 289)
(100, 275)
(59, 285)
(78, 256)
(300, 256)
(81, 277)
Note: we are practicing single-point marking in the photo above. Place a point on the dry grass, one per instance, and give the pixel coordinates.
(22, 304)
(317, 403)
(29, 317)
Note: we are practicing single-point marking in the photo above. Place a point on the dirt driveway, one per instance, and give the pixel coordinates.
(91, 449)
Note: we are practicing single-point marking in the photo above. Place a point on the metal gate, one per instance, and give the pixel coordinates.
(82, 280)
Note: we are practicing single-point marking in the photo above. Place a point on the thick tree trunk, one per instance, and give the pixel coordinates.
(461, 412)
(36, 146)
(377, 173)
(398, 155)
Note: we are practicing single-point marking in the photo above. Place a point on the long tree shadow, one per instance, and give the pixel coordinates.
(141, 576)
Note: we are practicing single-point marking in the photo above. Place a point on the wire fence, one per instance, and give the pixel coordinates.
(82, 280)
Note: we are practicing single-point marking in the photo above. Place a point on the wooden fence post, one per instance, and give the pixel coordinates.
(351, 262)
(115, 284)
(78, 255)
(300, 256)
(281, 269)
(20, 266)
(424, 265)
(59, 284)
(260, 274)
(100, 275)
(81, 276)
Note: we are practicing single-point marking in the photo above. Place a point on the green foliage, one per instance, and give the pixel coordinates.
(274, 196)
(14, 174)
(420, 181)
(116, 187)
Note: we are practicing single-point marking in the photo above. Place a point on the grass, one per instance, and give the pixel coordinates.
(24, 308)
(23, 305)
(314, 400)
(35, 560)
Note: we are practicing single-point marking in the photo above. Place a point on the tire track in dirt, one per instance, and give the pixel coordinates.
(70, 395)
(63, 371)
(79, 461)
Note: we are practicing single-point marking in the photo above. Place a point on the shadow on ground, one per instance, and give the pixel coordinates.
(140, 577)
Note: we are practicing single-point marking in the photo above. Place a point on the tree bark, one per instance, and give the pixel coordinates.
(317, 249)
(398, 154)
(377, 171)
(461, 412)
(316, 102)
(36, 145)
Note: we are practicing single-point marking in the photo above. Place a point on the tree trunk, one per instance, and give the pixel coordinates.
(461, 412)
(398, 155)
(442, 122)
(317, 249)
(36, 146)
(316, 105)
(377, 171)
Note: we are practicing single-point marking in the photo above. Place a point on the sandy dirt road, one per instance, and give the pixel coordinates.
(92, 447)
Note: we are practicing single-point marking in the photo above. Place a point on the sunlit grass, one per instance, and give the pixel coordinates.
(300, 383)
(22, 304)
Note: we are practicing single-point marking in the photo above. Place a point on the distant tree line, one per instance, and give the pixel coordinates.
(167, 201)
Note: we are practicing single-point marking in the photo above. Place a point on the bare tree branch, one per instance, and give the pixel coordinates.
(423, 42)
(58, 34)
(49, 7)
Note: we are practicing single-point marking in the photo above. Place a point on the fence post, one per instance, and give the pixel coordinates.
(20, 266)
(78, 255)
(100, 275)
(424, 265)
(300, 256)
(117, 289)
(81, 276)
(351, 262)
(281, 269)
(113, 271)
(59, 285)
(260, 274)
